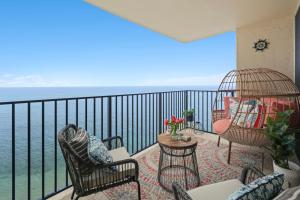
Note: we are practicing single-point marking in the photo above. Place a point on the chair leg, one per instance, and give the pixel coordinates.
(73, 193)
(219, 141)
(262, 161)
(139, 190)
(229, 153)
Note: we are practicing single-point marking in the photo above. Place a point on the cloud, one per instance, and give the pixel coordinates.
(11, 80)
(185, 81)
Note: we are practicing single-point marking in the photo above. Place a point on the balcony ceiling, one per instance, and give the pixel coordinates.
(188, 20)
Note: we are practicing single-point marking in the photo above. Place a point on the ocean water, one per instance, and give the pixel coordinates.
(95, 122)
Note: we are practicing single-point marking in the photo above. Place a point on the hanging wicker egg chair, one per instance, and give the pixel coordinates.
(244, 101)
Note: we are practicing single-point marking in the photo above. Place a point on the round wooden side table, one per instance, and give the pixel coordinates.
(177, 162)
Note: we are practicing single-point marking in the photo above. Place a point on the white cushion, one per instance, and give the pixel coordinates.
(119, 154)
(216, 191)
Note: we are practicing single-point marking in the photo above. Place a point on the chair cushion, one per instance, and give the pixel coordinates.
(255, 118)
(241, 117)
(233, 106)
(119, 154)
(216, 191)
(265, 188)
(109, 176)
(227, 106)
(97, 151)
(221, 125)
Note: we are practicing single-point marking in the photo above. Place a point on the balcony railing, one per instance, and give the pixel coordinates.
(32, 166)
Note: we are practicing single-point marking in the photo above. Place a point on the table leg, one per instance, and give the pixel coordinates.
(159, 164)
(185, 174)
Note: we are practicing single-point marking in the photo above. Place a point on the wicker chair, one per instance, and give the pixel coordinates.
(99, 177)
(272, 91)
(219, 190)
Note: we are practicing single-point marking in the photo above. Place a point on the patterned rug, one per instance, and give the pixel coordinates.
(212, 163)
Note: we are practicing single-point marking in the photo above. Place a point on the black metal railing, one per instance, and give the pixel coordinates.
(32, 166)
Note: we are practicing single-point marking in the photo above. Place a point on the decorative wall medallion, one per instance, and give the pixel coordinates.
(261, 45)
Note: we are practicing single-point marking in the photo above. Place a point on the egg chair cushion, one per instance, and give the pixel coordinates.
(274, 105)
(220, 126)
(256, 117)
(227, 106)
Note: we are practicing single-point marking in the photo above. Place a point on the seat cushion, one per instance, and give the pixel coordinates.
(216, 191)
(119, 154)
(220, 126)
(109, 176)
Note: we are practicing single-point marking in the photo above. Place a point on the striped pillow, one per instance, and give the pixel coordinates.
(79, 144)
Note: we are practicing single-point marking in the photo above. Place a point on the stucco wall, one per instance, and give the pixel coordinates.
(280, 54)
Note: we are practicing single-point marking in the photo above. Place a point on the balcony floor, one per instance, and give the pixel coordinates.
(213, 167)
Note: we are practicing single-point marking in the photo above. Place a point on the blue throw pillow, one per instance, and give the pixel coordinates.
(264, 188)
(97, 151)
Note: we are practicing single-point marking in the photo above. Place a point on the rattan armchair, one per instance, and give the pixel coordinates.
(223, 189)
(102, 176)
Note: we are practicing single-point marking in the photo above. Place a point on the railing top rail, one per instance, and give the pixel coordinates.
(92, 97)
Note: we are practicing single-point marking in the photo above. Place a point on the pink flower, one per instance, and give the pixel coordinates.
(173, 118)
(166, 122)
(181, 120)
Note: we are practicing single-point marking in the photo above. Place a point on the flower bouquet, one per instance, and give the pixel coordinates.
(174, 125)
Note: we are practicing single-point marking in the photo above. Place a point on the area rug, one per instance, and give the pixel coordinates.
(212, 163)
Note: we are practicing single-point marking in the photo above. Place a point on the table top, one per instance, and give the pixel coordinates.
(166, 140)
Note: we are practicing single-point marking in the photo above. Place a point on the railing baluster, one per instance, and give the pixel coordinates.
(132, 125)
(149, 118)
(116, 116)
(66, 123)
(206, 110)
(102, 128)
(28, 151)
(142, 131)
(86, 113)
(127, 120)
(146, 125)
(153, 118)
(13, 150)
(76, 111)
(202, 111)
(55, 145)
(109, 120)
(94, 116)
(137, 122)
(122, 117)
(43, 149)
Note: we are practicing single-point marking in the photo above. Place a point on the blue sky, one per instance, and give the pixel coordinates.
(72, 43)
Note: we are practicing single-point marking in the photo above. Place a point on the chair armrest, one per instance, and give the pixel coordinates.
(113, 142)
(250, 174)
(179, 192)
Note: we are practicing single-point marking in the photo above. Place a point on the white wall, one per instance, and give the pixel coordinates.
(280, 54)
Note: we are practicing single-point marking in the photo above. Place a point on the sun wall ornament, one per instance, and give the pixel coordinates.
(261, 45)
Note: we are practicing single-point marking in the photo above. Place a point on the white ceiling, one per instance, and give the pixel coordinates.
(188, 20)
